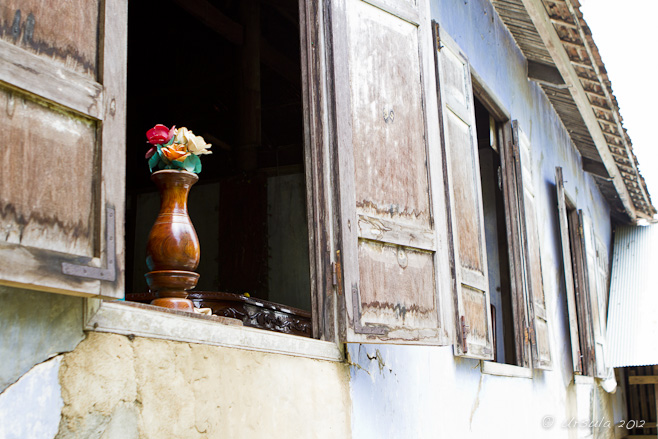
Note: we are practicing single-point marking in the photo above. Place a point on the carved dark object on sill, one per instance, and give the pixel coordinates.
(252, 312)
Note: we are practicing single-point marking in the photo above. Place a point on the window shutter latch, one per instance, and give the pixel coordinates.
(110, 272)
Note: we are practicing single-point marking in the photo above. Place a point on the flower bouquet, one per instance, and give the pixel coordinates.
(175, 148)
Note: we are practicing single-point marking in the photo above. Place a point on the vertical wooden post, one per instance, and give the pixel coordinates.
(249, 104)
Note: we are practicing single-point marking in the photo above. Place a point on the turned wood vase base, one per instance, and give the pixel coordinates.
(170, 287)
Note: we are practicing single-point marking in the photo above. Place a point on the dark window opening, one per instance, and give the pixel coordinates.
(218, 69)
(488, 135)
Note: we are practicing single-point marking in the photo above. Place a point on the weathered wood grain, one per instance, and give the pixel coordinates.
(46, 199)
(394, 285)
(388, 121)
(643, 379)
(114, 62)
(531, 255)
(464, 198)
(62, 177)
(568, 270)
(383, 170)
(383, 230)
(66, 33)
(48, 80)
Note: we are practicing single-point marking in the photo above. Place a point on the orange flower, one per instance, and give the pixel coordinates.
(175, 151)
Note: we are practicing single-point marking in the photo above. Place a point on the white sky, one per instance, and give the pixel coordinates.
(625, 33)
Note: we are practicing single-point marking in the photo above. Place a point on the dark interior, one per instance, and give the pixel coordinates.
(202, 64)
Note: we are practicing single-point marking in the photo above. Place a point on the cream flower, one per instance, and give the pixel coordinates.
(196, 144)
(182, 134)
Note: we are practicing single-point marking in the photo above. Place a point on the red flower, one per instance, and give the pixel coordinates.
(160, 134)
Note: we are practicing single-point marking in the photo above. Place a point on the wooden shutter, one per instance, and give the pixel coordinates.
(62, 112)
(595, 282)
(582, 284)
(602, 288)
(464, 196)
(386, 161)
(568, 271)
(516, 246)
(531, 254)
(591, 267)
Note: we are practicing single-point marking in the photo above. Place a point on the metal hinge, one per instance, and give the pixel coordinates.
(464, 332)
(110, 272)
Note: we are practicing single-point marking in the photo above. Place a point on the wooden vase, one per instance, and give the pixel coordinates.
(172, 251)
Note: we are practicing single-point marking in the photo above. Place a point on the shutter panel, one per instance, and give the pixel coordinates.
(387, 211)
(515, 241)
(568, 271)
(531, 255)
(469, 264)
(62, 95)
(582, 292)
(596, 279)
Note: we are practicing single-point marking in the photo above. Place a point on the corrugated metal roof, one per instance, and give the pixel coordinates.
(633, 308)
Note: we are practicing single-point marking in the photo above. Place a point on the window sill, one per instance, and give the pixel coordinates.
(149, 321)
(583, 379)
(506, 370)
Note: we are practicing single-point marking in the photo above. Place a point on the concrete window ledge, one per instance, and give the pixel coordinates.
(506, 370)
(129, 318)
(583, 379)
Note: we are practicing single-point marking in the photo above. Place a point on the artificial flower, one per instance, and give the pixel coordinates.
(160, 134)
(196, 144)
(182, 135)
(175, 152)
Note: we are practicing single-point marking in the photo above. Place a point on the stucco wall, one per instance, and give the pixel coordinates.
(35, 326)
(117, 388)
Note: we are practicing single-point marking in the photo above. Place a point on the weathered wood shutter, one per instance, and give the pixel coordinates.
(568, 271)
(387, 142)
(62, 112)
(531, 255)
(591, 267)
(595, 295)
(464, 197)
(582, 284)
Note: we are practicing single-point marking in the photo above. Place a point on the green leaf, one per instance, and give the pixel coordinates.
(192, 163)
(153, 161)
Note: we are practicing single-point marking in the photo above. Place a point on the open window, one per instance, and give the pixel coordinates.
(586, 283)
(231, 72)
(495, 255)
